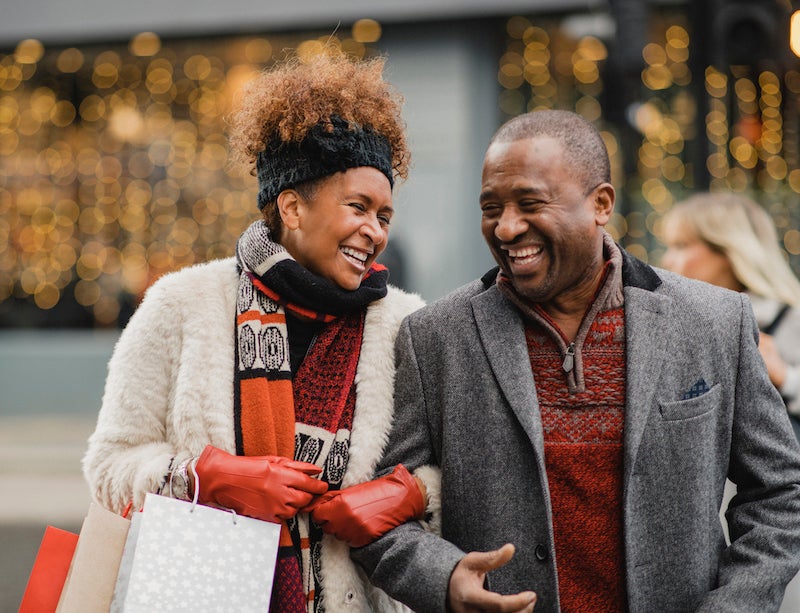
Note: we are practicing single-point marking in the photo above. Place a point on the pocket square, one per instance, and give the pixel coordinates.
(698, 389)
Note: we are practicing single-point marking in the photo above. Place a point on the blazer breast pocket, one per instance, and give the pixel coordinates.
(677, 410)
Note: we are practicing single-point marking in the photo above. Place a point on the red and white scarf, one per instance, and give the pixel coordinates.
(306, 415)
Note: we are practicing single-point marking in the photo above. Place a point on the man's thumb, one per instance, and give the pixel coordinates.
(490, 560)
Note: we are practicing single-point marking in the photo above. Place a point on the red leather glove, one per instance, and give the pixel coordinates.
(361, 513)
(265, 487)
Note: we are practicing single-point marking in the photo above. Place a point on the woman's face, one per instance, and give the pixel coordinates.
(689, 255)
(343, 228)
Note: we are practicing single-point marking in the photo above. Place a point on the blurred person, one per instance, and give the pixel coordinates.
(729, 240)
(270, 375)
(585, 410)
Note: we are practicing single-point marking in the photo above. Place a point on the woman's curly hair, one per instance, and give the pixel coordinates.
(295, 95)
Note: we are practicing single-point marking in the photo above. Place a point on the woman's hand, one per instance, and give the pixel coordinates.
(361, 513)
(776, 367)
(271, 488)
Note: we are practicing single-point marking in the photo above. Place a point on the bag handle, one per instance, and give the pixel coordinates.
(773, 325)
(197, 490)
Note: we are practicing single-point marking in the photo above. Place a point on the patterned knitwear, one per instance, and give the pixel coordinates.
(305, 412)
(325, 401)
(582, 413)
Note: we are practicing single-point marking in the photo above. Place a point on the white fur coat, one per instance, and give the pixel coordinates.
(169, 393)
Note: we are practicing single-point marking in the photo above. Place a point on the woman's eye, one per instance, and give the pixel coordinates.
(384, 219)
(358, 206)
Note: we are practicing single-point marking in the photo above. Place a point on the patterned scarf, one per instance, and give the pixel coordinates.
(309, 419)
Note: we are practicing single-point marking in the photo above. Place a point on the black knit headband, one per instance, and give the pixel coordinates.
(321, 153)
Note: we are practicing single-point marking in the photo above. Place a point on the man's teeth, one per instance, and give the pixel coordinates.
(524, 253)
(359, 255)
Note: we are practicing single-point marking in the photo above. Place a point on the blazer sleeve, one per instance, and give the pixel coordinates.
(410, 564)
(764, 553)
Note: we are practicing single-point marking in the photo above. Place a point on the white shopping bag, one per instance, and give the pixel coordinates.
(185, 557)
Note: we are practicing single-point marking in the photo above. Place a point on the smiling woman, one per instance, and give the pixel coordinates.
(270, 375)
(343, 229)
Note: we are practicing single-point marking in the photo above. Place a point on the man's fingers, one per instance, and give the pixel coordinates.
(484, 561)
(466, 593)
(512, 603)
(527, 600)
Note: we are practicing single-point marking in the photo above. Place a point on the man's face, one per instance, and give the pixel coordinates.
(541, 226)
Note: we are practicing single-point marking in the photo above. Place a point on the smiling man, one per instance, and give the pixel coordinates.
(585, 410)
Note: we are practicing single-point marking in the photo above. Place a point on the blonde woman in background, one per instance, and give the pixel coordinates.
(729, 240)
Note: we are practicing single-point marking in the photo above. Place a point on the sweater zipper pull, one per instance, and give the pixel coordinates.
(569, 358)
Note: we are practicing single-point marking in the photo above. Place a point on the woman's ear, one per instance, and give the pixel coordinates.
(289, 208)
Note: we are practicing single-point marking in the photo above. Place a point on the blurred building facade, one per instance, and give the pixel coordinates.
(114, 166)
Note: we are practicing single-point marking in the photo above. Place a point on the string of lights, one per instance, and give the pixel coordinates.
(114, 163)
(751, 124)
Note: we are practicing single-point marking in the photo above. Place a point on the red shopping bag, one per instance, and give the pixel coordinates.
(49, 571)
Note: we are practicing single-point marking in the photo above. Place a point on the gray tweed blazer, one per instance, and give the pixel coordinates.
(466, 401)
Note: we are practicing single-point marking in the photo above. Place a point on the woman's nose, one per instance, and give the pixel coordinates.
(374, 231)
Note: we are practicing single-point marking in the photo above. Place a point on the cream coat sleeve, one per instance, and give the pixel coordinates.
(129, 453)
(169, 387)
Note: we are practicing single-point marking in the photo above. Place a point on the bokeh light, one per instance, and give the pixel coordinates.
(748, 113)
(114, 164)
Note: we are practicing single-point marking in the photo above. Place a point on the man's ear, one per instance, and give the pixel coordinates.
(289, 208)
(604, 198)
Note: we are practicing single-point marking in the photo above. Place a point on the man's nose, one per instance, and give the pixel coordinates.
(510, 225)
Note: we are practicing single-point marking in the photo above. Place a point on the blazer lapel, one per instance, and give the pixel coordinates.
(647, 340)
(502, 335)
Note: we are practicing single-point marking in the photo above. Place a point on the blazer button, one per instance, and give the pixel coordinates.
(541, 553)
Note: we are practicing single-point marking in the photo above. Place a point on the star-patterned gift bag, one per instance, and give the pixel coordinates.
(185, 557)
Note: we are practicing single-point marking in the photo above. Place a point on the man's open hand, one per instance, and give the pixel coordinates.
(465, 593)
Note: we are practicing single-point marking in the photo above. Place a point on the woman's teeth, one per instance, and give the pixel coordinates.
(359, 256)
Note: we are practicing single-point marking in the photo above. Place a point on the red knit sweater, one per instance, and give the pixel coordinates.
(583, 456)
